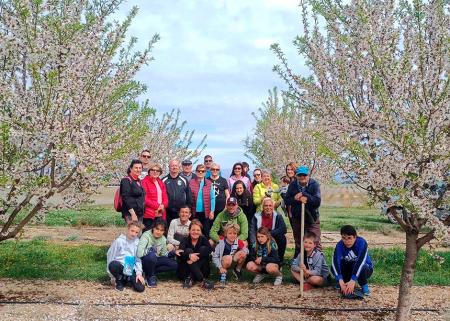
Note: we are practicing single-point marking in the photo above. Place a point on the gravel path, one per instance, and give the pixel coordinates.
(86, 297)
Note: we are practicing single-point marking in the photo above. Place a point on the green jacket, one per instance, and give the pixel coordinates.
(148, 241)
(223, 219)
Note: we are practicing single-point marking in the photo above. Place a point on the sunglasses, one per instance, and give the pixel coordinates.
(256, 174)
(201, 171)
(239, 168)
(154, 170)
(208, 160)
(302, 175)
(145, 156)
(215, 169)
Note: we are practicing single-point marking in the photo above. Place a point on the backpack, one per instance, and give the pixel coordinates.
(118, 198)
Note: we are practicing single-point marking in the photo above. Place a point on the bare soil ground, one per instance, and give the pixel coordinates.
(69, 300)
(105, 235)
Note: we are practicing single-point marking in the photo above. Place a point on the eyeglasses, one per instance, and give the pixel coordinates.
(215, 169)
(201, 171)
(208, 160)
(145, 156)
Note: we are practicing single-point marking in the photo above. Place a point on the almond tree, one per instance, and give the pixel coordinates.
(67, 101)
(166, 139)
(380, 88)
(286, 133)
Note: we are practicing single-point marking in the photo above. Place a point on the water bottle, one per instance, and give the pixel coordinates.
(128, 265)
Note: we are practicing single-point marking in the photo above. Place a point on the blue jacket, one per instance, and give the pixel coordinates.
(358, 254)
(312, 193)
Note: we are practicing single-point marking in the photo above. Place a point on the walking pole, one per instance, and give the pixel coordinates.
(302, 232)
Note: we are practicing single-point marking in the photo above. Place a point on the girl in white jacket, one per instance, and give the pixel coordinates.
(122, 263)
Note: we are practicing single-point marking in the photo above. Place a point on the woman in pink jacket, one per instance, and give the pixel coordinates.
(155, 196)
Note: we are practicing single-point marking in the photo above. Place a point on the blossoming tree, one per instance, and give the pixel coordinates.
(380, 87)
(67, 98)
(286, 133)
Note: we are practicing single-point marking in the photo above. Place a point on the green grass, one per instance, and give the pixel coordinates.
(47, 260)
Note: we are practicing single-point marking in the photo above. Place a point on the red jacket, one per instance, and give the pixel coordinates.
(151, 197)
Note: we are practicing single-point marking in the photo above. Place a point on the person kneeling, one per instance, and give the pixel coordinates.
(314, 266)
(122, 263)
(351, 262)
(230, 251)
(263, 257)
(153, 251)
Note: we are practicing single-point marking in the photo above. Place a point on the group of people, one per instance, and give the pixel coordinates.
(188, 218)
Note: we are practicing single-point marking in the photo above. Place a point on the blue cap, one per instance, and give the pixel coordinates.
(302, 170)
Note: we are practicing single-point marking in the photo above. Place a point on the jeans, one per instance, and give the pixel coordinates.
(153, 264)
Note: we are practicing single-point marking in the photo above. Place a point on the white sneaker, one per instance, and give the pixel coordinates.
(259, 277)
(278, 280)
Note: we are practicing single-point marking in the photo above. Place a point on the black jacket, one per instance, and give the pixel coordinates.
(312, 193)
(178, 191)
(272, 257)
(186, 243)
(132, 196)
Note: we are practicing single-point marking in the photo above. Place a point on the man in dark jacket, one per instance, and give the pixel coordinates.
(304, 190)
(274, 222)
(178, 191)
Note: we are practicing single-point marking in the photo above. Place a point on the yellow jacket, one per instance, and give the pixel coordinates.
(259, 193)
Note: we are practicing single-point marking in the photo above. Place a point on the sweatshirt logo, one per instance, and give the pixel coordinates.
(350, 257)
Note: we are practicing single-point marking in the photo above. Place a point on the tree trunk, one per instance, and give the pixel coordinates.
(406, 282)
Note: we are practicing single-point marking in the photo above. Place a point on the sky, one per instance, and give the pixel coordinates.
(213, 62)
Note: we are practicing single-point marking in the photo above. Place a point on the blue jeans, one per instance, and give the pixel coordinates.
(153, 264)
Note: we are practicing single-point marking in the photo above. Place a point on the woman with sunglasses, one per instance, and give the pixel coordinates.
(257, 177)
(203, 198)
(156, 200)
(236, 175)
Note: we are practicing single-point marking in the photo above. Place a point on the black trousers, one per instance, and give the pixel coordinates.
(281, 243)
(171, 214)
(206, 222)
(116, 269)
(347, 269)
(198, 270)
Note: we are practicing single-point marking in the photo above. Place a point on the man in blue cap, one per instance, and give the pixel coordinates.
(304, 190)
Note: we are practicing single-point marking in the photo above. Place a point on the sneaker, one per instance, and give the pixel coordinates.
(187, 284)
(366, 289)
(223, 280)
(278, 280)
(259, 277)
(237, 274)
(207, 285)
(120, 285)
(152, 282)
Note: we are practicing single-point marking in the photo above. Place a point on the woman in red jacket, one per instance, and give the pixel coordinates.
(155, 196)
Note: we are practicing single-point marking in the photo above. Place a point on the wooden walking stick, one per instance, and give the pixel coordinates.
(302, 232)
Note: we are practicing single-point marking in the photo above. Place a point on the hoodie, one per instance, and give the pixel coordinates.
(223, 218)
(119, 249)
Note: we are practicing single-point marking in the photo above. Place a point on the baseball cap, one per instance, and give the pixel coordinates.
(232, 200)
(302, 170)
(186, 162)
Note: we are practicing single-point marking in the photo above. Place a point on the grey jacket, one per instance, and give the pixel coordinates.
(316, 264)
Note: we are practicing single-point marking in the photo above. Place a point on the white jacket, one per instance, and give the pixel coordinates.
(120, 248)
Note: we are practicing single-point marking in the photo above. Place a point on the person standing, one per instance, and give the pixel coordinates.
(257, 176)
(132, 193)
(307, 191)
(236, 175)
(186, 165)
(203, 198)
(155, 197)
(178, 192)
(207, 161)
(221, 190)
(145, 159)
(266, 189)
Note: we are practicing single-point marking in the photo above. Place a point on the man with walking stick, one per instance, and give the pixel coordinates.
(304, 190)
